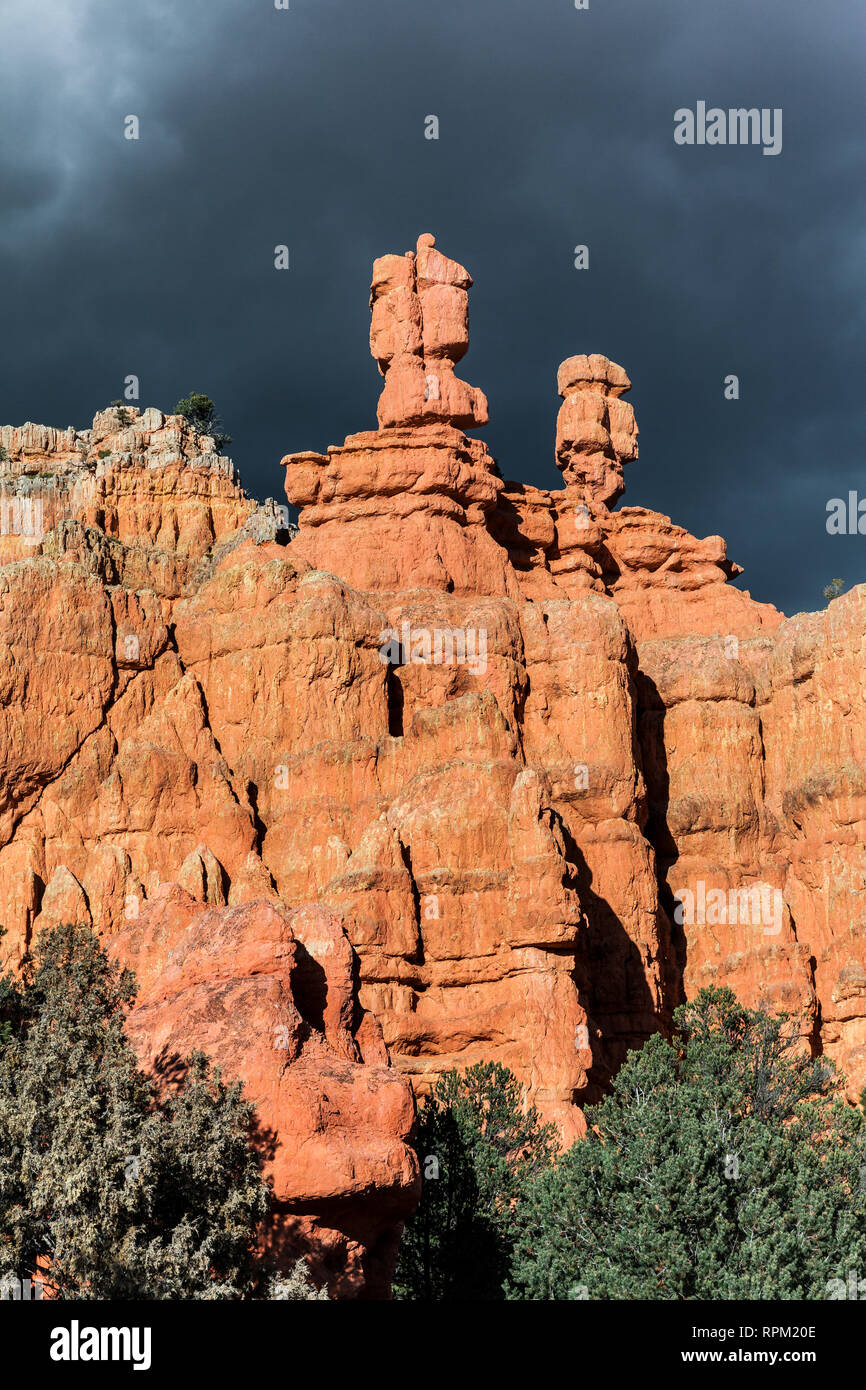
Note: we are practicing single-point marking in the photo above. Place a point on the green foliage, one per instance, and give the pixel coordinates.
(723, 1165)
(3, 454)
(200, 412)
(130, 1192)
(8, 1002)
(294, 1286)
(474, 1131)
(104, 454)
(834, 589)
(124, 417)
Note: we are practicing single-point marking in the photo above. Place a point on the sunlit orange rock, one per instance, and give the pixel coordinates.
(271, 996)
(548, 767)
(419, 329)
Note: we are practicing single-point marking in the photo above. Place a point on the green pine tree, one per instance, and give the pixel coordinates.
(722, 1166)
(478, 1148)
(834, 589)
(128, 1192)
(200, 412)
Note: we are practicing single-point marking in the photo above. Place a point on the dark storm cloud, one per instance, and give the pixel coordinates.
(306, 127)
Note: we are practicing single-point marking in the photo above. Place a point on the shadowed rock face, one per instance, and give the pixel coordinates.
(494, 729)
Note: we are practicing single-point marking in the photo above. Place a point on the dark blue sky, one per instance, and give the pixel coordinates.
(306, 127)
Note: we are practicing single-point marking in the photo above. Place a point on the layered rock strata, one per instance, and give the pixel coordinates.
(546, 766)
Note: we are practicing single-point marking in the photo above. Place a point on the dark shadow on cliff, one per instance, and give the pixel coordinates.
(349, 1245)
(170, 1071)
(309, 988)
(611, 980)
(503, 524)
(651, 714)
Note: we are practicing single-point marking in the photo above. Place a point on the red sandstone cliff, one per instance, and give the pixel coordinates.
(491, 731)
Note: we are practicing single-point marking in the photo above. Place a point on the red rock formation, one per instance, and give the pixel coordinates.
(495, 729)
(419, 328)
(270, 995)
(595, 430)
(113, 790)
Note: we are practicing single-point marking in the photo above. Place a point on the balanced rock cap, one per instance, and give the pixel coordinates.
(593, 372)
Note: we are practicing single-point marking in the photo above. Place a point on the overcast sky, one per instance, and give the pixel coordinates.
(305, 126)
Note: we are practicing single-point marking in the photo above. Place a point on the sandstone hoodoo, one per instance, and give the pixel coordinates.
(270, 995)
(464, 770)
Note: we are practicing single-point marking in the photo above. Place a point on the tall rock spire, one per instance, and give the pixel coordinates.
(596, 432)
(419, 329)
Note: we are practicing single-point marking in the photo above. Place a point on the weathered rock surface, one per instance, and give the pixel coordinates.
(271, 996)
(509, 736)
(419, 329)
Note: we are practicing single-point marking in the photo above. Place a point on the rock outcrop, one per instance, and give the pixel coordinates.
(549, 770)
(270, 995)
(419, 329)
